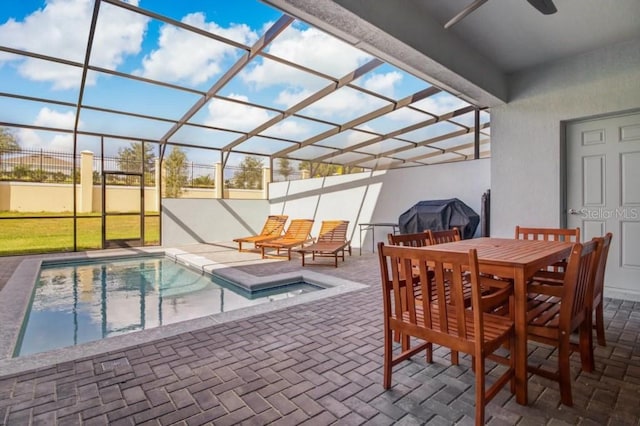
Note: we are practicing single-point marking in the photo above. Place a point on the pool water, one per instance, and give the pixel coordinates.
(80, 302)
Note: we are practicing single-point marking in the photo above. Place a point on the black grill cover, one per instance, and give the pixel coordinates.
(438, 215)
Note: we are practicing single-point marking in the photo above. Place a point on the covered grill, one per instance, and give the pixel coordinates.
(438, 215)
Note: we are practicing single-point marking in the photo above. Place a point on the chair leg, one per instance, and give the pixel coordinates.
(564, 371)
(586, 344)
(388, 354)
(429, 353)
(454, 358)
(478, 363)
(600, 324)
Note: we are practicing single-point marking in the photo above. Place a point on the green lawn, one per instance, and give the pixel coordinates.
(22, 236)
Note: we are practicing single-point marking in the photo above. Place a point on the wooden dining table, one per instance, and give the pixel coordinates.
(518, 260)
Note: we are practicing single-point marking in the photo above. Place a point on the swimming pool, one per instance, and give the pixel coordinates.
(83, 301)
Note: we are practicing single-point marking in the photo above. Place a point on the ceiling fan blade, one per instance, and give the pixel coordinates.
(545, 6)
(467, 10)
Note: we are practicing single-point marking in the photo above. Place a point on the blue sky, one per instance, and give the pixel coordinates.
(134, 44)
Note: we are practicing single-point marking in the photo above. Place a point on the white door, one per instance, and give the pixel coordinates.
(603, 193)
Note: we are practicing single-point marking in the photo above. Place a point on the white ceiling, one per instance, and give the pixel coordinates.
(514, 35)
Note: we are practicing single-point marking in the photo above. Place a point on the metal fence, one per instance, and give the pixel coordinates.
(36, 166)
(58, 167)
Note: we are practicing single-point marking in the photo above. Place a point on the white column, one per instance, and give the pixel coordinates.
(218, 181)
(158, 189)
(86, 182)
(266, 180)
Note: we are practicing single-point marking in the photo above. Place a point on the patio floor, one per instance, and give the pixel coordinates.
(315, 363)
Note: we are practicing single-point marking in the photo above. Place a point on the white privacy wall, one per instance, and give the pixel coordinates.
(190, 221)
(526, 132)
(380, 196)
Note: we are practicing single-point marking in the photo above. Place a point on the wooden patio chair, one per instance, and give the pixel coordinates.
(434, 321)
(549, 234)
(597, 302)
(556, 311)
(331, 242)
(298, 234)
(427, 238)
(271, 230)
(444, 236)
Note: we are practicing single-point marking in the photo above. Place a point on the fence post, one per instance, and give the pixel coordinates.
(266, 179)
(217, 193)
(86, 182)
(158, 190)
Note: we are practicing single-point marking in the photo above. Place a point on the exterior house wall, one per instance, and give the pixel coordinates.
(526, 133)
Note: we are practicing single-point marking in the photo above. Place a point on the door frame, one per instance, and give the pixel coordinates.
(125, 242)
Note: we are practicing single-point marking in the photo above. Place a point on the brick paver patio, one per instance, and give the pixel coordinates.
(315, 364)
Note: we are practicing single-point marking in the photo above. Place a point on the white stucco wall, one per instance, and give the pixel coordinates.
(359, 198)
(380, 196)
(189, 221)
(526, 132)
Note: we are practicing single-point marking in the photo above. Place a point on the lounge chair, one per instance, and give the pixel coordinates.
(332, 242)
(298, 233)
(271, 230)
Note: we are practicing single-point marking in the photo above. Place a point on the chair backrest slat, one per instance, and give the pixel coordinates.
(418, 239)
(444, 236)
(333, 231)
(299, 229)
(548, 234)
(274, 225)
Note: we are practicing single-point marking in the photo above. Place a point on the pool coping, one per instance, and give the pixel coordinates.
(17, 293)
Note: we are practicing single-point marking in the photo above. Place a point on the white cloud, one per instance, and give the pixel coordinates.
(235, 116)
(290, 97)
(357, 137)
(407, 116)
(308, 47)
(184, 56)
(33, 139)
(61, 28)
(343, 105)
(29, 139)
(288, 130)
(51, 118)
(317, 50)
(440, 104)
(383, 84)
(118, 33)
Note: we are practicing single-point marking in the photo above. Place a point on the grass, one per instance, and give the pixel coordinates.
(23, 235)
